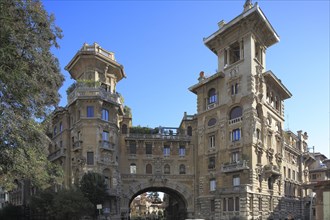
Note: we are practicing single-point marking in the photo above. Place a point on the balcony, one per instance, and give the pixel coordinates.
(235, 120)
(77, 145)
(82, 91)
(272, 170)
(106, 145)
(159, 137)
(57, 154)
(236, 189)
(233, 167)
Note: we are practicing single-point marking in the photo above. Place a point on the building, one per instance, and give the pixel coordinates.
(230, 160)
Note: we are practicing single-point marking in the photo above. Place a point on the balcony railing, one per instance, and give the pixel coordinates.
(77, 145)
(235, 120)
(93, 92)
(233, 167)
(159, 136)
(57, 154)
(237, 189)
(107, 145)
(97, 49)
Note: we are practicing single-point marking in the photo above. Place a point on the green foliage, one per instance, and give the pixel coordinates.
(143, 130)
(29, 81)
(71, 204)
(11, 212)
(66, 204)
(94, 188)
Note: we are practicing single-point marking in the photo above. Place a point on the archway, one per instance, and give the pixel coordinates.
(173, 207)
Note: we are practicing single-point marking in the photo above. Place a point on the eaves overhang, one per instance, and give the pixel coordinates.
(206, 80)
(271, 79)
(272, 38)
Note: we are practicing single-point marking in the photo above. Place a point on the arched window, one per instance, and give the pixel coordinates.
(148, 169)
(124, 129)
(182, 169)
(132, 168)
(235, 112)
(167, 169)
(212, 96)
(189, 131)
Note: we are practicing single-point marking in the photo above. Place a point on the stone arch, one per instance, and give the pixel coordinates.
(178, 190)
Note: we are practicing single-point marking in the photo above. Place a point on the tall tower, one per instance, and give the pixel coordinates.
(240, 117)
(86, 131)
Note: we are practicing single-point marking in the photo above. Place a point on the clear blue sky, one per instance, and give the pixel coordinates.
(160, 44)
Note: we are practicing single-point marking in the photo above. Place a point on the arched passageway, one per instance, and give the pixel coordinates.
(173, 207)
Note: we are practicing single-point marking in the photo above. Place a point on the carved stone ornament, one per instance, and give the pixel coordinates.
(279, 158)
(234, 71)
(306, 172)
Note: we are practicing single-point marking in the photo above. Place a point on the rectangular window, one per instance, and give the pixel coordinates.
(236, 180)
(167, 150)
(212, 205)
(230, 204)
(284, 172)
(224, 206)
(90, 111)
(212, 185)
(105, 136)
(61, 127)
(90, 158)
(289, 173)
(236, 135)
(236, 203)
(132, 168)
(293, 175)
(55, 130)
(105, 114)
(132, 147)
(148, 149)
(211, 163)
(212, 141)
(235, 157)
(234, 89)
(182, 151)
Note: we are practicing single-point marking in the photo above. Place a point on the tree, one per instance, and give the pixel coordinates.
(29, 81)
(94, 188)
(71, 204)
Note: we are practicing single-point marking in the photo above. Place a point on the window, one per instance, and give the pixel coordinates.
(235, 112)
(258, 52)
(148, 149)
(236, 135)
(212, 122)
(61, 127)
(132, 168)
(124, 129)
(234, 89)
(258, 133)
(293, 175)
(212, 141)
(90, 111)
(212, 205)
(189, 131)
(235, 157)
(211, 163)
(212, 185)
(289, 173)
(236, 203)
(61, 144)
(260, 204)
(212, 97)
(167, 150)
(148, 169)
(236, 180)
(182, 151)
(167, 169)
(132, 147)
(230, 204)
(90, 158)
(55, 130)
(105, 114)
(182, 169)
(232, 54)
(259, 156)
(224, 206)
(105, 136)
(284, 172)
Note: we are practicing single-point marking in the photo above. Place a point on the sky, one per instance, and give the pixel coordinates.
(160, 44)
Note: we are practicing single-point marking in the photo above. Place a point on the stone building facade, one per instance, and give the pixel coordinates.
(230, 160)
